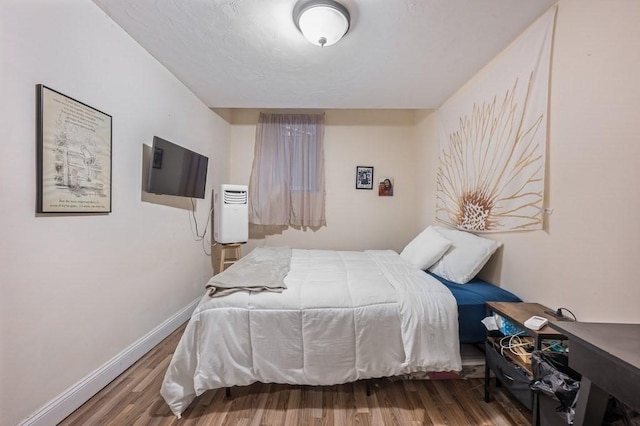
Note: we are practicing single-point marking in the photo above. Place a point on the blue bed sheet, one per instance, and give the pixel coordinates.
(471, 298)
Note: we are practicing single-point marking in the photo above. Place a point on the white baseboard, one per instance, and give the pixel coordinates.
(70, 400)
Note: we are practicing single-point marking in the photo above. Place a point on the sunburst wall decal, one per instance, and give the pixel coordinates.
(491, 172)
(492, 158)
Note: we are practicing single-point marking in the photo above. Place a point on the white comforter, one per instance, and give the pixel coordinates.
(344, 316)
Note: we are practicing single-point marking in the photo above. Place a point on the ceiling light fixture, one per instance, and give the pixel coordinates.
(322, 22)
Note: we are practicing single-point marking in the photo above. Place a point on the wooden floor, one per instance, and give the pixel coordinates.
(134, 399)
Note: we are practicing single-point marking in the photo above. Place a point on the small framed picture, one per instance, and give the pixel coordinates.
(364, 177)
(385, 187)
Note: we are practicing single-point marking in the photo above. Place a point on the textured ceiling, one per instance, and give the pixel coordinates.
(397, 54)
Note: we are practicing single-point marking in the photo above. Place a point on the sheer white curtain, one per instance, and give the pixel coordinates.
(287, 179)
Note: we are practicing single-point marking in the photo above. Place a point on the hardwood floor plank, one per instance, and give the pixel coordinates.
(414, 402)
(261, 405)
(150, 375)
(293, 408)
(375, 409)
(274, 409)
(339, 408)
(134, 399)
(328, 394)
(429, 398)
(316, 402)
(390, 413)
(360, 397)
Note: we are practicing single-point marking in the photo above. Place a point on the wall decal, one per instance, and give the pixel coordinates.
(493, 140)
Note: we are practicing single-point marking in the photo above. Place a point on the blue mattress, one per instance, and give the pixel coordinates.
(471, 298)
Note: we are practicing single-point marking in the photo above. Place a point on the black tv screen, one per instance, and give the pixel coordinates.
(175, 170)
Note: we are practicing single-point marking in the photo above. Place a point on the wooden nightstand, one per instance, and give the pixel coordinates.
(513, 370)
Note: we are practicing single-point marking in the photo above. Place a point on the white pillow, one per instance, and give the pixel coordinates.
(466, 257)
(425, 249)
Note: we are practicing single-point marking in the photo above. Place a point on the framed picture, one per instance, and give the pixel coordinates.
(385, 187)
(364, 177)
(73, 154)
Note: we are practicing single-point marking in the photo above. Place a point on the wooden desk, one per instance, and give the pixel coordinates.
(608, 357)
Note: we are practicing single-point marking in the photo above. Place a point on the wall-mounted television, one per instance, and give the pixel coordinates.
(175, 170)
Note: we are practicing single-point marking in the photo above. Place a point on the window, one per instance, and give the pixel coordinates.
(287, 179)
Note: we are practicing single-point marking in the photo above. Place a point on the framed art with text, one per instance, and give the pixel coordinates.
(364, 177)
(74, 155)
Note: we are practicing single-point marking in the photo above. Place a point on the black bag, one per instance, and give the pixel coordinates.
(553, 377)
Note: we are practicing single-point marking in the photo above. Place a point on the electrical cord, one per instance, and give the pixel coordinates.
(204, 248)
(197, 236)
(555, 346)
(513, 341)
(557, 314)
(565, 309)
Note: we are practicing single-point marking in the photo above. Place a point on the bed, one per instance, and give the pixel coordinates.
(344, 316)
(321, 317)
(471, 299)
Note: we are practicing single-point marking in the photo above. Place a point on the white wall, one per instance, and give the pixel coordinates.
(78, 290)
(586, 257)
(356, 219)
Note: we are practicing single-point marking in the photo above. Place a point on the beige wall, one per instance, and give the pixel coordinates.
(356, 219)
(141, 265)
(426, 133)
(587, 256)
(76, 291)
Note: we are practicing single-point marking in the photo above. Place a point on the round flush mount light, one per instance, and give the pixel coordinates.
(322, 22)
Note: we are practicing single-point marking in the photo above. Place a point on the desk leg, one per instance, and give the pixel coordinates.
(487, 396)
(591, 404)
(487, 384)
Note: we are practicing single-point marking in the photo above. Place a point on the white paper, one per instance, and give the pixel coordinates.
(490, 323)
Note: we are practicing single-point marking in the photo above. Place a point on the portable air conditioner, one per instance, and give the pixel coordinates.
(231, 214)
